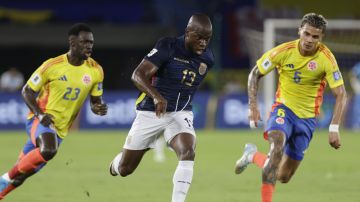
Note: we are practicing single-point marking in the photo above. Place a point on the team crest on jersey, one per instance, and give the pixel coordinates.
(312, 65)
(202, 68)
(280, 120)
(86, 79)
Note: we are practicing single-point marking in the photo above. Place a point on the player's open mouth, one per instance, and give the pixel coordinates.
(88, 54)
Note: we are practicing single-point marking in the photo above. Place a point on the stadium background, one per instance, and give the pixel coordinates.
(124, 31)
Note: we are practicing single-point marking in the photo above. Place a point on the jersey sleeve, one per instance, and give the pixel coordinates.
(97, 89)
(333, 74)
(268, 61)
(39, 77)
(160, 53)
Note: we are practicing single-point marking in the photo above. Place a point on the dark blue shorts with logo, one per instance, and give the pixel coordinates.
(298, 131)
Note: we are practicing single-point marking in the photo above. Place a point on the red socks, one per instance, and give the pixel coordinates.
(27, 163)
(259, 159)
(8, 189)
(267, 192)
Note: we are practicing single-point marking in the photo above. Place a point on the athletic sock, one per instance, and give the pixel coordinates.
(267, 192)
(259, 159)
(28, 163)
(182, 180)
(7, 190)
(116, 162)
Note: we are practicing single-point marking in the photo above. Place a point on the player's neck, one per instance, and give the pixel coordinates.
(307, 53)
(73, 60)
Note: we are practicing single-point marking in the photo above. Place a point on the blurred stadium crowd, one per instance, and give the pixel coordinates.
(126, 30)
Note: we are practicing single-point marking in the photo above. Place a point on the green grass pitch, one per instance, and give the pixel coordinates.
(79, 172)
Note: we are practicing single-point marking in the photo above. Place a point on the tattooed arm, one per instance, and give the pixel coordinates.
(253, 83)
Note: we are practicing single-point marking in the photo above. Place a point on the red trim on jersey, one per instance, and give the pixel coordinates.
(51, 63)
(329, 56)
(44, 100)
(33, 130)
(319, 97)
(284, 48)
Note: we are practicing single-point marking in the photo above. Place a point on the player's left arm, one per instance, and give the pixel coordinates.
(340, 95)
(98, 106)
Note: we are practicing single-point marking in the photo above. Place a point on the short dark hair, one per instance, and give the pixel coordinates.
(77, 28)
(314, 20)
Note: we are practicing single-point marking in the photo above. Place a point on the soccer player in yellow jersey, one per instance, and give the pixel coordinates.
(55, 93)
(304, 67)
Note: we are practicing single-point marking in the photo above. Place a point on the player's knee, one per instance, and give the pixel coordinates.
(187, 154)
(48, 153)
(284, 178)
(125, 171)
(18, 180)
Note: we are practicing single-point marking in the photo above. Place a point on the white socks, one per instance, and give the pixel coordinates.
(182, 180)
(116, 162)
(159, 155)
(6, 177)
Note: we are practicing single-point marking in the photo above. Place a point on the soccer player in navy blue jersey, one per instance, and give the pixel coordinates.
(168, 78)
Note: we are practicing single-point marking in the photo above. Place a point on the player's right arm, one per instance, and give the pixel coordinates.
(264, 65)
(141, 77)
(29, 97)
(253, 84)
(148, 67)
(29, 92)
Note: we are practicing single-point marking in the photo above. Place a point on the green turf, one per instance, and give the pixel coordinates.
(79, 172)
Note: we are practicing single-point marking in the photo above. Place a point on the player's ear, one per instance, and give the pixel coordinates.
(71, 41)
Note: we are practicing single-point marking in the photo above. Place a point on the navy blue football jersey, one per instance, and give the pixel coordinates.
(179, 75)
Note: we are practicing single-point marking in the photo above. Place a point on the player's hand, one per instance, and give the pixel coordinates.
(160, 106)
(99, 109)
(334, 139)
(254, 116)
(46, 119)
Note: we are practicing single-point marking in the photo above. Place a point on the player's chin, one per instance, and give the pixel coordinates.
(198, 51)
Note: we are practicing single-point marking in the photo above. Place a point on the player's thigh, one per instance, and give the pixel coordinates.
(132, 158)
(144, 131)
(34, 129)
(181, 123)
(280, 119)
(287, 168)
(299, 141)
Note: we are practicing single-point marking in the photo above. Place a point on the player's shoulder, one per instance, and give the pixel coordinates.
(166, 43)
(208, 56)
(283, 48)
(327, 54)
(51, 62)
(95, 65)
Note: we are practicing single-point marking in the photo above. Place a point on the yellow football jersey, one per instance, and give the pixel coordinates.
(63, 88)
(302, 79)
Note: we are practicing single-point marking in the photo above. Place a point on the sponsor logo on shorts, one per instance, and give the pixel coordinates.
(280, 120)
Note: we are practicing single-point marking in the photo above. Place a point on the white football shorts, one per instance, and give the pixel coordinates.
(147, 127)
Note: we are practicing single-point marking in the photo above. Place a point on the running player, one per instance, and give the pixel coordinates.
(55, 93)
(168, 78)
(304, 66)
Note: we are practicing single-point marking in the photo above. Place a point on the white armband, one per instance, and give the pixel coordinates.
(334, 128)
